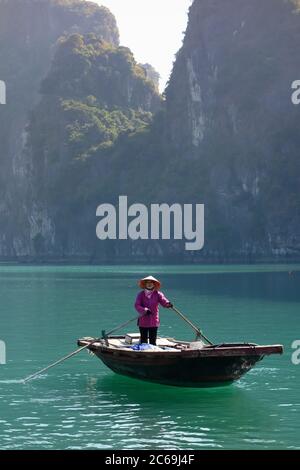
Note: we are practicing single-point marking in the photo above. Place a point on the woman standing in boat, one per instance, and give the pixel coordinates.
(147, 305)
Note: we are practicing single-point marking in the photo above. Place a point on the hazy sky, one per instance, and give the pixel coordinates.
(152, 29)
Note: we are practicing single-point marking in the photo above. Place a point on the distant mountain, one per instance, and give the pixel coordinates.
(85, 123)
(71, 90)
(232, 128)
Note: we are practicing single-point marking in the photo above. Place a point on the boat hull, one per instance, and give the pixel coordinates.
(210, 366)
(184, 372)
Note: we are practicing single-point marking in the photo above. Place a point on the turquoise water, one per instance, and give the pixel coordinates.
(83, 405)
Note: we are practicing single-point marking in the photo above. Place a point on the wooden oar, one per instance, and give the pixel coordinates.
(63, 359)
(199, 332)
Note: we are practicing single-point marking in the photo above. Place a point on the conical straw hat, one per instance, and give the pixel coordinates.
(156, 282)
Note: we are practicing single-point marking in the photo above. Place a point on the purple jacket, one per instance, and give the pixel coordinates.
(143, 303)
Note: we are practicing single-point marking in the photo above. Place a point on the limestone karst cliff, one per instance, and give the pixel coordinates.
(85, 123)
(232, 126)
(62, 64)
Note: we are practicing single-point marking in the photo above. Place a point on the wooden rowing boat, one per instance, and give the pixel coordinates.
(179, 363)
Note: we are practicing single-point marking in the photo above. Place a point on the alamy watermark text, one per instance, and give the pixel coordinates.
(158, 222)
(296, 353)
(2, 353)
(2, 92)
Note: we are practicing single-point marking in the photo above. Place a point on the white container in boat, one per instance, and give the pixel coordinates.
(130, 338)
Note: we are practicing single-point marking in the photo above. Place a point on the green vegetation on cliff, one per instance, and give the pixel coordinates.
(94, 92)
(88, 125)
(95, 97)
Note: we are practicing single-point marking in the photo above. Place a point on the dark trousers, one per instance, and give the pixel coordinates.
(150, 333)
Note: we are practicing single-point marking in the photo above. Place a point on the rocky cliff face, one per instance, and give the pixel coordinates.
(232, 126)
(94, 95)
(29, 30)
(78, 130)
(29, 39)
